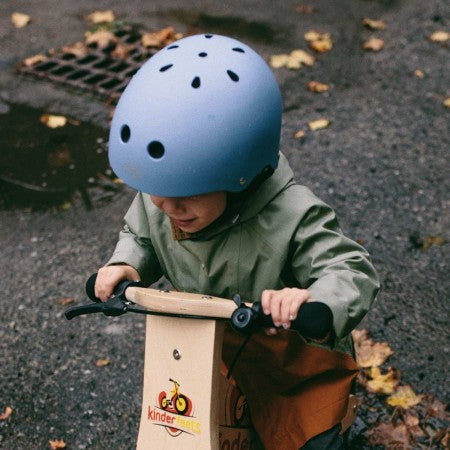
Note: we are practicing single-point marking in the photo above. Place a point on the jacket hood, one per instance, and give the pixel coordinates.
(243, 207)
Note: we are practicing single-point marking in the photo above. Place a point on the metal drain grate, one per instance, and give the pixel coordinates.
(103, 71)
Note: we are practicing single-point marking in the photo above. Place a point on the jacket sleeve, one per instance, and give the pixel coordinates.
(335, 269)
(135, 246)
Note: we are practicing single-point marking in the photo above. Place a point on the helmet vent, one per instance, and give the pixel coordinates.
(172, 47)
(164, 68)
(208, 36)
(202, 54)
(196, 82)
(232, 75)
(238, 49)
(125, 133)
(155, 149)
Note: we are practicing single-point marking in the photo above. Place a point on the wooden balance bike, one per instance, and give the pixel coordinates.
(187, 402)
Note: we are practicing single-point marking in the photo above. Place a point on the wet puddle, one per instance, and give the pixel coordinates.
(42, 166)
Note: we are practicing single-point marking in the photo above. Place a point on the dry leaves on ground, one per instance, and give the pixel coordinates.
(66, 301)
(316, 86)
(5, 415)
(440, 36)
(160, 38)
(390, 435)
(101, 17)
(294, 60)
(382, 383)
(368, 352)
(373, 44)
(373, 24)
(57, 444)
(101, 38)
(78, 49)
(319, 42)
(53, 121)
(102, 362)
(318, 124)
(35, 59)
(404, 397)
(20, 20)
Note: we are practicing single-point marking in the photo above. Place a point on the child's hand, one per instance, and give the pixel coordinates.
(283, 305)
(108, 277)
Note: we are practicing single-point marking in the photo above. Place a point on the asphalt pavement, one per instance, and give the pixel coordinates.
(382, 163)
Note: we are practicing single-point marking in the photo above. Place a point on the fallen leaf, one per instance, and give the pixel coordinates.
(318, 124)
(319, 42)
(295, 60)
(102, 362)
(429, 241)
(158, 38)
(57, 444)
(20, 20)
(65, 206)
(53, 121)
(316, 86)
(121, 51)
(440, 36)
(389, 435)
(373, 44)
(404, 397)
(383, 383)
(78, 49)
(412, 422)
(374, 24)
(435, 407)
(35, 59)
(446, 102)
(118, 181)
(299, 134)
(369, 353)
(101, 38)
(5, 415)
(419, 73)
(445, 441)
(101, 16)
(66, 301)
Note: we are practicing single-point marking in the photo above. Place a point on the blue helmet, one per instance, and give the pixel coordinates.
(201, 115)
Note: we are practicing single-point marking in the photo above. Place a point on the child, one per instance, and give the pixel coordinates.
(197, 132)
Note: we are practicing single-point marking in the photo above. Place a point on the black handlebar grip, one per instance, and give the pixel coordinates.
(314, 320)
(90, 288)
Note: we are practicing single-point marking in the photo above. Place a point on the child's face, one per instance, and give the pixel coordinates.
(192, 214)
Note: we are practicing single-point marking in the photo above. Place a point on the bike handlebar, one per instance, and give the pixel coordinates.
(314, 319)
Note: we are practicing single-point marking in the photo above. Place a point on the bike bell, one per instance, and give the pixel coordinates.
(201, 115)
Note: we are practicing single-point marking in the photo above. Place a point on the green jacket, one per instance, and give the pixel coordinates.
(279, 236)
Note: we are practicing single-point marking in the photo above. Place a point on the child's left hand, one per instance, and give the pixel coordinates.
(283, 306)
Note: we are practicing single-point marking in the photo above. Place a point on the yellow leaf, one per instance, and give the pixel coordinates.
(383, 383)
(318, 124)
(404, 397)
(102, 38)
(429, 241)
(118, 181)
(20, 20)
(315, 86)
(6, 414)
(52, 121)
(373, 44)
(78, 49)
(158, 38)
(419, 73)
(66, 301)
(374, 24)
(32, 60)
(299, 134)
(440, 36)
(65, 206)
(319, 42)
(101, 16)
(121, 51)
(446, 102)
(102, 362)
(295, 60)
(369, 353)
(57, 444)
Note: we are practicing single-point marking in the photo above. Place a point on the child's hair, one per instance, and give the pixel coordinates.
(202, 115)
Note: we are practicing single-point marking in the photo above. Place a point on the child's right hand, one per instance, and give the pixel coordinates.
(108, 277)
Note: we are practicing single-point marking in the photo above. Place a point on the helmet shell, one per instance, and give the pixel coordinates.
(201, 115)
